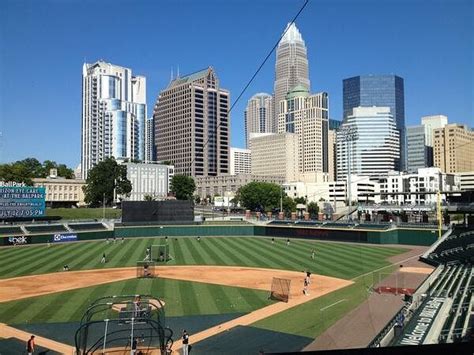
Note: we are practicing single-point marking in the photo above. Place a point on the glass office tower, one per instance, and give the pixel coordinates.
(378, 90)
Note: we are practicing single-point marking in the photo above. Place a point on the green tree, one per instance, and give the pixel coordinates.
(313, 209)
(103, 179)
(261, 196)
(183, 187)
(148, 197)
(301, 200)
(15, 172)
(289, 205)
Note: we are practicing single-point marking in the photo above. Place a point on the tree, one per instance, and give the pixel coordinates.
(27, 169)
(183, 187)
(301, 200)
(313, 209)
(148, 197)
(289, 205)
(103, 179)
(260, 196)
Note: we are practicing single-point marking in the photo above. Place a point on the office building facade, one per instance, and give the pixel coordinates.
(113, 114)
(381, 91)
(307, 116)
(376, 147)
(240, 161)
(149, 180)
(258, 115)
(291, 68)
(150, 140)
(454, 148)
(192, 125)
(275, 155)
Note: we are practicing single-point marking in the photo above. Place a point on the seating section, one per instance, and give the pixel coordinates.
(11, 230)
(455, 283)
(46, 228)
(458, 247)
(86, 226)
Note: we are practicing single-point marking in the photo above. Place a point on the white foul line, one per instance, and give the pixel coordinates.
(322, 309)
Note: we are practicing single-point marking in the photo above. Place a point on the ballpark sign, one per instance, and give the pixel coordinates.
(21, 240)
(58, 238)
(21, 201)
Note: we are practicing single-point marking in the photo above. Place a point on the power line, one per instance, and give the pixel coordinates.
(250, 81)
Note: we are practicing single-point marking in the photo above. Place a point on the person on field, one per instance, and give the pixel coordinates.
(288, 241)
(199, 239)
(103, 260)
(30, 345)
(273, 240)
(308, 277)
(305, 287)
(313, 253)
(186, 345)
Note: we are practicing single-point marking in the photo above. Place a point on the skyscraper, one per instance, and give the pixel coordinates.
(307, 116)
(454, 148)
(291, 67)
(113, 114)
(150, 140)
(258, 115)
(240, 161)
(190, 112)
(420, 142)
(375, 149)
(382, 91)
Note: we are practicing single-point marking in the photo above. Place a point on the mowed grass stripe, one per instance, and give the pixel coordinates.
(206, 298)
(223, 256)
(202, 256)
(212, 253)
(12, 253)
(123, 256)
(93, 257)
(263, 257)
(44, 264)
(188, 302)
(190, 250)
(239, 259)
(180, 258)
(302, 260)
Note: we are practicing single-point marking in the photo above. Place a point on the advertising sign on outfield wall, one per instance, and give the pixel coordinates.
(20, 240)
(19, 200)
(58, 238)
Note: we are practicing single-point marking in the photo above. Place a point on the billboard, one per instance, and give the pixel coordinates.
(18, 240)
(17, 200)
(58, 238)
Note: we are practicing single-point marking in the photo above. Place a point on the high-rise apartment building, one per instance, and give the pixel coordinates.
(381, 91)
(275, 155)
(113, 114)
(150, 140)
(375, 148)
(454, 148)
(192, 125)
(291, 67)
(258, 115)
(240, 161)
(420, 142)
(307, 116)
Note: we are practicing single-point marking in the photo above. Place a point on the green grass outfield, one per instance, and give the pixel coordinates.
(332, 259)
(342, 260)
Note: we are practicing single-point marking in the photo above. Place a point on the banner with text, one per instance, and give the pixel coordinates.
(59, 238)
(21, 201)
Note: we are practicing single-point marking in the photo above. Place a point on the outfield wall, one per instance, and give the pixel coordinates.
(412, 236)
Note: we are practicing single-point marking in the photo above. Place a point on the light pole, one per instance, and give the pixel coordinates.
(349, 135)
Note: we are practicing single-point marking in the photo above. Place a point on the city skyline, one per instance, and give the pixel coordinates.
(435, 38)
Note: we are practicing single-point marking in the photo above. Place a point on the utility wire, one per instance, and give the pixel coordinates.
(250, 81)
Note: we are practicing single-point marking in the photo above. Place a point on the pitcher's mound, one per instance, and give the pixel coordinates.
(155, 304)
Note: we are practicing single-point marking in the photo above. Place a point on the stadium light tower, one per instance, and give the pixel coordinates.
(349, 135)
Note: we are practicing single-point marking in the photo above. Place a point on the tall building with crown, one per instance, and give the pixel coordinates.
(192, 125)
(291, 68)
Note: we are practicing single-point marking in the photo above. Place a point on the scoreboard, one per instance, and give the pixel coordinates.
(21, 201)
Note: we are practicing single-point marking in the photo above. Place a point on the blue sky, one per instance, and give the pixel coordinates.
(43, 45)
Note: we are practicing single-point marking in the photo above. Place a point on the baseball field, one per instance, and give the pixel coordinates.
(216, 288)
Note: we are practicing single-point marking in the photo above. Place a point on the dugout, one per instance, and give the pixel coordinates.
(171, 211)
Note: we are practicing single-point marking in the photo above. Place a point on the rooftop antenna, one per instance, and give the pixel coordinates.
(177, 75)
(171, 77)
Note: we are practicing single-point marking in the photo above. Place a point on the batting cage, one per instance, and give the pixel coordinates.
(280, 290)
(159, 253)
(145, 269)
(118, 324)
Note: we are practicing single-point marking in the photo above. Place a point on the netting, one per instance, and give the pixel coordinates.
(159, 253)
(280, 289)
(124, 323)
